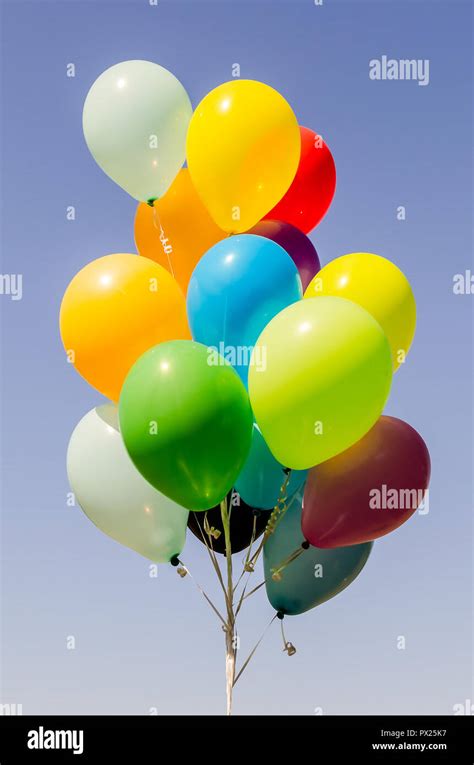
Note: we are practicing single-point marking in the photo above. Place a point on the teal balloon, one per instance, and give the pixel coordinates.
(316, 576)
(262, 476)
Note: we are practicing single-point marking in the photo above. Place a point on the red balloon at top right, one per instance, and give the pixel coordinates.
(307, 200)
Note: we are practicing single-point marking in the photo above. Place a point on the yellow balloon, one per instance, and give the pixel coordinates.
(377, 285)
(243, 149)
(115, 309)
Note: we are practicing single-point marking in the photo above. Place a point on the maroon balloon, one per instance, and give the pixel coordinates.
(295, 243)
(368, 490)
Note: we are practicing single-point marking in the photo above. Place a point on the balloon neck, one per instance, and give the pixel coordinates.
(280, 615)
(151, 201)
(174, 560)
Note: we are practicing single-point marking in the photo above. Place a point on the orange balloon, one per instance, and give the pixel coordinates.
(115, 309)
(177, 230)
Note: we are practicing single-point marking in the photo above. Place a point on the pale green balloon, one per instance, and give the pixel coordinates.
(135, 122)
(114, 495)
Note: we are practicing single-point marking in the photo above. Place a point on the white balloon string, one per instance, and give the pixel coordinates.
(244, 665)
(203, 593)
(287, 646)
(159, 227)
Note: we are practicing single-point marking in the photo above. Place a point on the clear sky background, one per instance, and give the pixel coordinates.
(146, 643)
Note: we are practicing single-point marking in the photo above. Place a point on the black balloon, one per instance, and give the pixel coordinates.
(241, 524)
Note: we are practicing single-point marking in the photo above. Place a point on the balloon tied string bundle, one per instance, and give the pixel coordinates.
(247, 384)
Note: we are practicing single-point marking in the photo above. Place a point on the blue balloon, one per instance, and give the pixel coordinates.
(316, 575)
(237, 287)
(262, 477)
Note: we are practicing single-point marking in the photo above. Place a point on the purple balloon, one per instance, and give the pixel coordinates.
(297, 245)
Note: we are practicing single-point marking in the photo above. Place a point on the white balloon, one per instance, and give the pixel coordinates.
(115, 496)
(135, 122)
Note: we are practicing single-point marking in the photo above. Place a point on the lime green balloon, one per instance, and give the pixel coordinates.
(135, 122)
(186, 421)
(113, 494)
(326, 378)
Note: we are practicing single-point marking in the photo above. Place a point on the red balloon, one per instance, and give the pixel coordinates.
(368, 490)
(309, 196)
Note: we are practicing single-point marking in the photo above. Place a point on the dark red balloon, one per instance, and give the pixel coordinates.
(309, 196)
(297, 245)
(368, 490)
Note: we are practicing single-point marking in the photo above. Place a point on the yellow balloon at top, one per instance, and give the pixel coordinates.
(377, 285)
(243, 149)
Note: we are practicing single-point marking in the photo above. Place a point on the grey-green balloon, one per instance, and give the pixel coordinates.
(135, 122)
(316, 576)
(114, 495)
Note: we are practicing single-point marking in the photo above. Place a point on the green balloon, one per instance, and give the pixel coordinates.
(316, 575)
(135, 121)
(186, 422)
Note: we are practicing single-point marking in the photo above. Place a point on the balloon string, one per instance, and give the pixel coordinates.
(159, 227)
(249, 657)
(294, 555)
(287, 646)
(182, 571)
(229, 628)
(276, 571)
(245, 596)
(249, 552)
(278, 512)
(210, 550)
(225, 516)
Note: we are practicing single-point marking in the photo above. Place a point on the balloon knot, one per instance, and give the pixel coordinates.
(211, 531)
(175, 560)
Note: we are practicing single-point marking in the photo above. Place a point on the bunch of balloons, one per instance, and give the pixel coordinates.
(238, 370)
